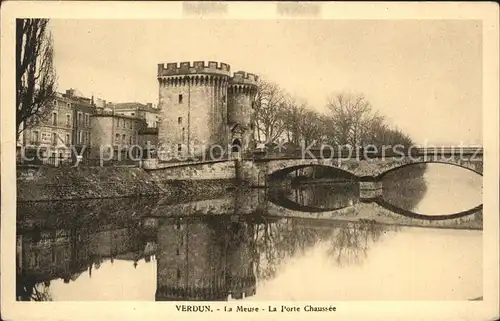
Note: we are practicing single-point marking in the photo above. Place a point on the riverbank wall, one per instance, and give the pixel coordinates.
(39, 183)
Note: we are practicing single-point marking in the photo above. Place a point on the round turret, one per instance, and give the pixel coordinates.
(193, 102)
(241, 91)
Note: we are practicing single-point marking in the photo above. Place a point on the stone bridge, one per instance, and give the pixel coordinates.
(259, 172)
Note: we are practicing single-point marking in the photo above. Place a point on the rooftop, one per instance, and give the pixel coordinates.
(135, 106)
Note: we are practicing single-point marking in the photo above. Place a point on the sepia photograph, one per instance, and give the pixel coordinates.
(273, 165)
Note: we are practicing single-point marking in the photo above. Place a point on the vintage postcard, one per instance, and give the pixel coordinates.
(269, 160)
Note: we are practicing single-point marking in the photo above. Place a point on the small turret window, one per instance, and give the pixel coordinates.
(180, 98)
(179, 120)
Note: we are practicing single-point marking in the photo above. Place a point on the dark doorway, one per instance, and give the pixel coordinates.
(236, 147)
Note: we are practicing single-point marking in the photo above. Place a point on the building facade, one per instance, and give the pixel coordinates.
(82, 108)
(146, 111)
(202, 106)
(116, 135)
(50, 138)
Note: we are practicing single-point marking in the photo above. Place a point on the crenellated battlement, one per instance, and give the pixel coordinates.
(242, 77)
(194, 67)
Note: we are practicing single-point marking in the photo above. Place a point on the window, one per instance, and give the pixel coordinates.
(179, 147)
(178, 274)
(54, 119)
(223, 99)
(35, 260)
(117, 138)
(54, 139)
(118, 122)
(89, 137)
(177, 251)
(68, 120)
(87, 122)
(69, 105)
(180, 98)
(80, 119)
(133, 114)
(130, 140)
(123, 138)
(35, 137)
(179, 120)
(55, 103)
(183, 134)
(67, 140)
(131, 124)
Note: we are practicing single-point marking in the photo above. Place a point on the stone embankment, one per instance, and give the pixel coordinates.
(46, 183)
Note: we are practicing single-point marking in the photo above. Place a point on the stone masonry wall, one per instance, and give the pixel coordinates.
(45, 183)
(224, 170)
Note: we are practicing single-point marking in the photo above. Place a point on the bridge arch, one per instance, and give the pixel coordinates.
(400, 166)
(289, 169)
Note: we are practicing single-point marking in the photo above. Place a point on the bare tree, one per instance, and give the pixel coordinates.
(35, 74)
(352, 121)
(292, 118)
(312, 127)
(270, 106)
(351, 115)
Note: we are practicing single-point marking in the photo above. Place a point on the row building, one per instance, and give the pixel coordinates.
(79, 125)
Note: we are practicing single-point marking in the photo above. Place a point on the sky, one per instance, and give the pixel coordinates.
(424, 76)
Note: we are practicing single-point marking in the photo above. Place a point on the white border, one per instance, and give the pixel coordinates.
(486, 309)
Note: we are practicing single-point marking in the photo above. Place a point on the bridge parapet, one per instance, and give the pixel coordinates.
(360, 153)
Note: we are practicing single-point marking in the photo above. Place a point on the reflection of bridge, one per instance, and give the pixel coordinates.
(255, 203)
(379, 211)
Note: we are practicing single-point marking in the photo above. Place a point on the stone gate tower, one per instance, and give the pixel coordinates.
(203, 106)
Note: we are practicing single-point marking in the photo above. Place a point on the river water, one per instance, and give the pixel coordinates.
(227, 248)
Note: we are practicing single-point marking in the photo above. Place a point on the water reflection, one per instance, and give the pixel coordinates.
(433, 189)
(319, 196)
(314, 241)
(197, 258)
